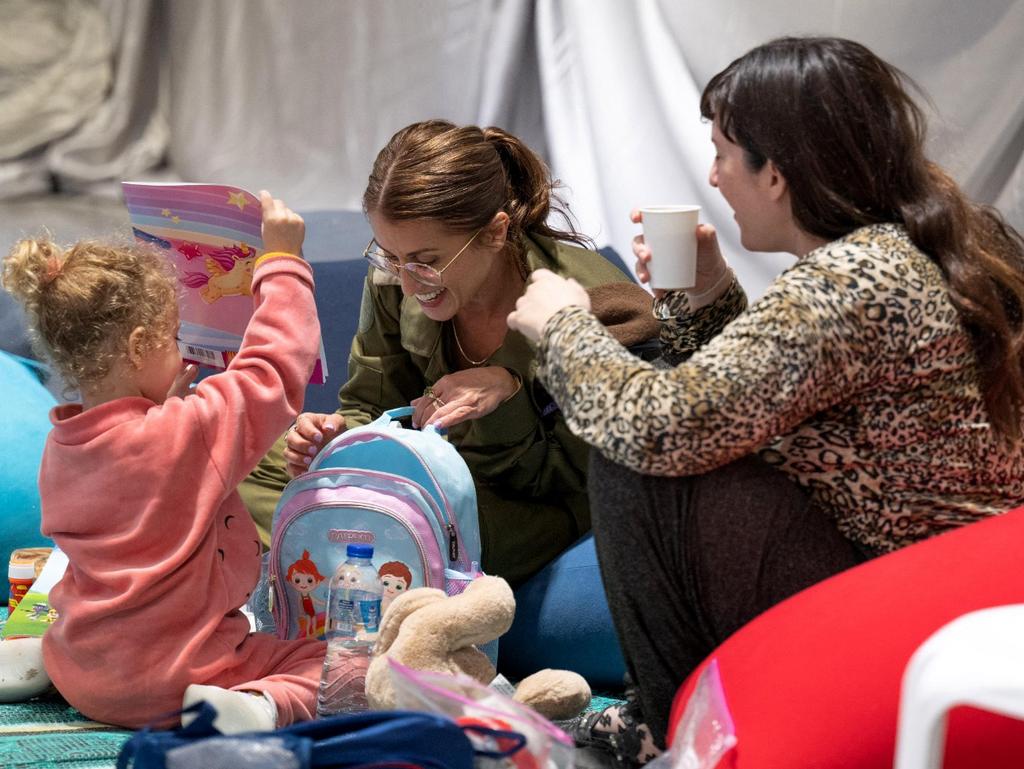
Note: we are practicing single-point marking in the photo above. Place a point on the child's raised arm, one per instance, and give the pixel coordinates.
(245, 409)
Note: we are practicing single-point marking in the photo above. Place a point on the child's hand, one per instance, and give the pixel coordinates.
(182, 384)
(283, 229)
(308, 435)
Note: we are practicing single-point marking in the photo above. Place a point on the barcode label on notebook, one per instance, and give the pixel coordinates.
(202, 355)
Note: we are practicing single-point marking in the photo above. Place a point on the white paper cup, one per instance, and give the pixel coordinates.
(671, 234)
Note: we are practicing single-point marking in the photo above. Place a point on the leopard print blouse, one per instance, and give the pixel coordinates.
(852, 374)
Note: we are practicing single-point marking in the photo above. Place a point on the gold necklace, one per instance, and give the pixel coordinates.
(455, 333)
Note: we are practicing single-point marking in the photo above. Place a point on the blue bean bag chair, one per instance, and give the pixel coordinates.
(562, 621)
(24, 423)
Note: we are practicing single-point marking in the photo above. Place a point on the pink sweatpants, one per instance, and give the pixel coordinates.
(289, 671)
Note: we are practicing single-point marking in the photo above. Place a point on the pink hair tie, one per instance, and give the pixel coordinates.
(53, 266)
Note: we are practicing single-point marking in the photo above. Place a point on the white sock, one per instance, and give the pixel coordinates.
(237, 711)
(22, 675)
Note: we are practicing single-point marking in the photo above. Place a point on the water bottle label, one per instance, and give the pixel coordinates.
(369, 614)
(344, 620)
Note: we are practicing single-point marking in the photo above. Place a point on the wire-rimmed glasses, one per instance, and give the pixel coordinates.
(424, 274)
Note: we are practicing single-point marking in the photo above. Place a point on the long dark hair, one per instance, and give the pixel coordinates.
(841, 127)
(461, 176)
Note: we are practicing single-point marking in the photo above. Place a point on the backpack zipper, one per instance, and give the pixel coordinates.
(454, 537)
(453, 543)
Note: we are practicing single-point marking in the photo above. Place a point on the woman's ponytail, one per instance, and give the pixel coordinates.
(530, 195)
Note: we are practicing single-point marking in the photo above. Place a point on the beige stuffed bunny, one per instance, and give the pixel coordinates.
(426, 630)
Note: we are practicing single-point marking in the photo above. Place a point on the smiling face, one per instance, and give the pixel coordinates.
(467, 279)
(302, 582)
(754, 196)
(392, 584)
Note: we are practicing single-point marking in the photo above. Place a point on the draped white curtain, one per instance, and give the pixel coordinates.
(301, 96)
(80, 93)
(298, 96)
(622, 83)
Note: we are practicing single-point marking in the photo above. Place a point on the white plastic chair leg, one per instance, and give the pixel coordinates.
(974, 660)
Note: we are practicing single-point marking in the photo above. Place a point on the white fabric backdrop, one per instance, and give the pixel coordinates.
(298, 96)
(622, 83)
(81, 101)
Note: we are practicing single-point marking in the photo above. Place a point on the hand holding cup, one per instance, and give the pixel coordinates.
(709, 262)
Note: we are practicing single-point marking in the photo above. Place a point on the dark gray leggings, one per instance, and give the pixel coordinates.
(688, 561)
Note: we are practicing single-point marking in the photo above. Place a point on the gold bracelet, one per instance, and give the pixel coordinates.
(519, 384)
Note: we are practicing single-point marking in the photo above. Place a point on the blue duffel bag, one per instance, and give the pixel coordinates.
(373, 738)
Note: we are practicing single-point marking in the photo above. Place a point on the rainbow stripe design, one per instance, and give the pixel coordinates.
(211, 233)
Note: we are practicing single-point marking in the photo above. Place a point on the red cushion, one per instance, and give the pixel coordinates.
(815, 681)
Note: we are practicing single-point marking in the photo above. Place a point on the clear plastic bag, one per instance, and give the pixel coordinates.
(705, 733)
(471, 704)
(233, 753)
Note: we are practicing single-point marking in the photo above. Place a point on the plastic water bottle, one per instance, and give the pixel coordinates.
(353, 617)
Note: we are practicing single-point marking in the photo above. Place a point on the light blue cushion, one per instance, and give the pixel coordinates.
(562, 621)
(24, 423)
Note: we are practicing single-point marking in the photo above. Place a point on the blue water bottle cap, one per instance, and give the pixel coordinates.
(359, 551)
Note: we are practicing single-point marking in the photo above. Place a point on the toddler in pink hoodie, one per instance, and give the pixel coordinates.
(138, 483)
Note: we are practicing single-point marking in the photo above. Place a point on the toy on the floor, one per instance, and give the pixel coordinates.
(426, 630)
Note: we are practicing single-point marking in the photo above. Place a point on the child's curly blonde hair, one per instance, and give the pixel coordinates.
(84, 301)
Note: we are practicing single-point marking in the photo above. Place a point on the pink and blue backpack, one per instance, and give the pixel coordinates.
(406, 492)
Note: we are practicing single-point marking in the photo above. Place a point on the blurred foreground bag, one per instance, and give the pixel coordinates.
(383, 738)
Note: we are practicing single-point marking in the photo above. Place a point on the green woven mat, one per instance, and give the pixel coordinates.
(96, 750)
(597, 702)
(47, 733)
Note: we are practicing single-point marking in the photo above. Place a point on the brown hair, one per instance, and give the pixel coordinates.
(305, 565)
(396, 569)
(461, 177)
(83, 302)
(840, 126)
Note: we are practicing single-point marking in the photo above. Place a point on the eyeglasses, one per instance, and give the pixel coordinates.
(424, 274)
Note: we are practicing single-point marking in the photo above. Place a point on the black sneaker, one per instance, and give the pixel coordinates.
(593, 729)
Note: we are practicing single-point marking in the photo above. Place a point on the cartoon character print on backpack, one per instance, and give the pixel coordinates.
(304, 578)
(395, 578)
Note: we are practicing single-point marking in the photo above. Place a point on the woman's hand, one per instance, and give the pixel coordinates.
(546, 294)
(711, 264)
(468, 394)
(283, 229)
(308, 435)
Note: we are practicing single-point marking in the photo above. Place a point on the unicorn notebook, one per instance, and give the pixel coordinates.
(211, 233)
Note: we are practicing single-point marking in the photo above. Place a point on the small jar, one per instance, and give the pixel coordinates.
(22, 571)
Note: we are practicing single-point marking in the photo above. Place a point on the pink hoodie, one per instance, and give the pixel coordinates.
(142, 498)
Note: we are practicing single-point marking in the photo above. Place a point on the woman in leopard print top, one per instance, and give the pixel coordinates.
(870, 399)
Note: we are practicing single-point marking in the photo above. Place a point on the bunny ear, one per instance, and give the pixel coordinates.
(399, 609)
(478, 615)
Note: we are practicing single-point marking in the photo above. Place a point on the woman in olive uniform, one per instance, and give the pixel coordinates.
(460, 219)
